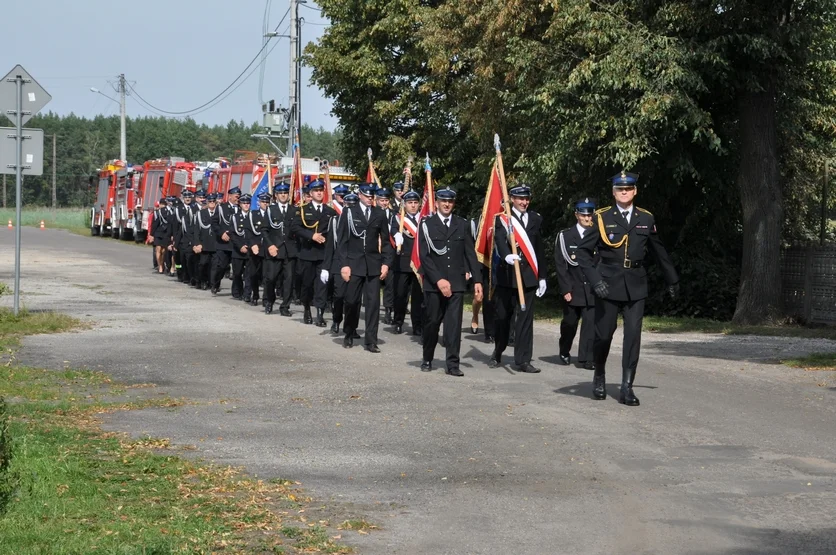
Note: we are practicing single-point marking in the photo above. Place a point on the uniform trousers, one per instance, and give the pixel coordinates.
(408, 290)
(271, 270)
(367, 290)
(254, 276)
(507, 303)
(569, 328)
(438, 309)
(338, 299)
(238, 269)
(389, 291)
(220, 264)
(606, 321)
(314, 292)
(204, 270)
(192, 263)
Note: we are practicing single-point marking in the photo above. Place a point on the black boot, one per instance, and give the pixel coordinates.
(308, 318)
(335, 328)
(320, 318)
(599, 384)
(626, 396)
(387, 317)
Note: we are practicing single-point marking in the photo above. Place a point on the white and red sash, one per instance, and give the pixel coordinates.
(523, 241)
(337, 208)
(409, 227)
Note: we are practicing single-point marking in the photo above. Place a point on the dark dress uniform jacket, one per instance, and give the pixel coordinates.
(161, 226)
(403, 261)
(505, 274)
(308, 248)
(183, 234)
(281, 237)
(570, 278)
(366, 255)
(626, 276)
(254, 227)
(238, 236)
(459, 259)
(222, 222)
(205, 236)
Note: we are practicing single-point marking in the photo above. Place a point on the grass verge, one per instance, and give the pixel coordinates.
(30, 323)
(815, 361)
(78, 489)
(75, 220)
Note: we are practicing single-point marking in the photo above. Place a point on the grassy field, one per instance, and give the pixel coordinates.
(816, 361)
(76, 220)
(72, 488)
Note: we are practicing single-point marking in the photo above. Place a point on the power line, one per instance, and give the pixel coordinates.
(202, 106)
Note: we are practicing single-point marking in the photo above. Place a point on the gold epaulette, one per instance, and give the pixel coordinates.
(643, 210)
(602, 210)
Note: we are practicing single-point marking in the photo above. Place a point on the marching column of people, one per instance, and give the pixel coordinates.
(341, 254)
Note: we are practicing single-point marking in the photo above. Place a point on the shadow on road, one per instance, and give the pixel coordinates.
(584, 389)
(771, 541)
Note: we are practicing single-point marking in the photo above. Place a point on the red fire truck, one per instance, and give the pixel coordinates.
(245, 172)
(122, 213)
(160, 178)
(102, 212)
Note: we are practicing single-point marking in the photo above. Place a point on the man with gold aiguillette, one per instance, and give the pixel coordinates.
(622, 235)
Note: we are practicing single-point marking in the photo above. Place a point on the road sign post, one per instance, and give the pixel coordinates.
(18, 90)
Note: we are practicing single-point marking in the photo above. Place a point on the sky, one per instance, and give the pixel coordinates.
(176, 54)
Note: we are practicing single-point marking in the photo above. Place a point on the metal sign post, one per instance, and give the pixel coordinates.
(18, 86)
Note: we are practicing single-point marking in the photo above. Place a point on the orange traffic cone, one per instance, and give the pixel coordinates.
(42, 225)
(10, 225)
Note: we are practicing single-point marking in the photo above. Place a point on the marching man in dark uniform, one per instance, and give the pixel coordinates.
(204, 240)
(406, 284)
(256, 220)
(331, 263)
(183, 239)
(621, 235)
(448, 260)
(192, 258)
(280, 250)
(364, 255)
(311, 226)
(397, 199)
(526, 225)
(579, 301)
(382, 197)
(222, 227)
(240, 248)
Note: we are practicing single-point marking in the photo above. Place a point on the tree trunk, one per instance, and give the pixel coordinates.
(759, 299)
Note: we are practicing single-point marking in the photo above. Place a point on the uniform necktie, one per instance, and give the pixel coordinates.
(283, 211)
(626, 214)
(367, 213)
(319, 209)
(447, 222)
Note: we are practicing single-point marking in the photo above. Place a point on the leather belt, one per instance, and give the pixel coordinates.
(629, 264)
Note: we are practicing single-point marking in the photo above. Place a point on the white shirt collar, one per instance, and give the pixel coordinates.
(628, 209)
(581, 230)
(518, 213)
(283, 206)
(316, 205)
(442, 218)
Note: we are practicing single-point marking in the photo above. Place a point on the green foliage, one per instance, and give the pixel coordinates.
(578, 90)
(9, 478)
(83, 145)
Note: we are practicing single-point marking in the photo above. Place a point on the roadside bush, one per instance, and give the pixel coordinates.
(8, 478)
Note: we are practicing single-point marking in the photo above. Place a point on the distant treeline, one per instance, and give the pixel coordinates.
(86, 144)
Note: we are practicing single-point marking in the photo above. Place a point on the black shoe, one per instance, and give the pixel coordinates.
(372, 348)
(205, 286)
(268, 308)
(398, 329)
(254, 302)
(563, 360)
(495, 361)
(599, 386)
(320, 318)
(247, 299)
(417, 331)
(356, 335)
(527, 368)
(589, 365)
(236, 297)
(454, 372)
(489, 339)
(387, 317)
(284, 311)
(308, 319)
(335, 328)
(426, 366)
(348, 341)
(215, 290)
(474, 329)
(626, 397)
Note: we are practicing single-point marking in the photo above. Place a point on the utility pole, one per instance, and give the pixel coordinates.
(295, 74)
(123, 138)
(4, 190)
(54, 158)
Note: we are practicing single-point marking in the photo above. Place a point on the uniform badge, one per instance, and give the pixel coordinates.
(612, 236)
(573, 257)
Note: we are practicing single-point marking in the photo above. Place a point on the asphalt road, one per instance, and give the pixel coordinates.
(730, 452)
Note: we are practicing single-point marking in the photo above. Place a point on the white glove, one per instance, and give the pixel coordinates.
(541, 288)
(511, 258)
(324, 275)
(398, 239)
